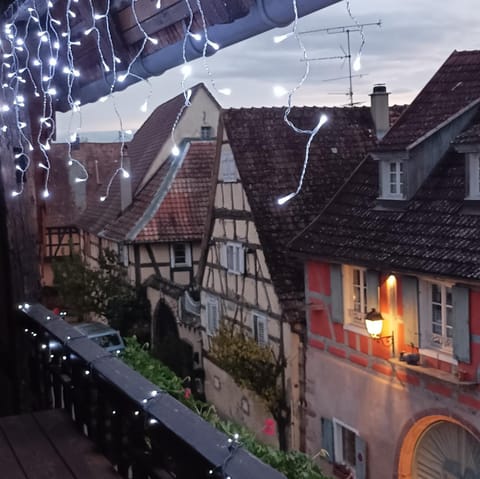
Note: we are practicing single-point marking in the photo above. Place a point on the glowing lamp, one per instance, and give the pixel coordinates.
(374, 325)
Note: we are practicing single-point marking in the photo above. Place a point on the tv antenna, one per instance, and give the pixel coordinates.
(345, 29)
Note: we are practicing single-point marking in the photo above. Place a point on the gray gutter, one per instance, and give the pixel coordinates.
(264, 15)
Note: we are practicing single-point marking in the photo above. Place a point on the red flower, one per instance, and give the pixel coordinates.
(187, 393)
(269, 427)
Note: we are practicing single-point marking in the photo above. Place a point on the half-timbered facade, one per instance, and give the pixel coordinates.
(399, 252)
(250, 280)
(69, 197)
(155, 219)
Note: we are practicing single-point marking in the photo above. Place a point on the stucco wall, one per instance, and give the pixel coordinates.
(221, 390)
(379, 407)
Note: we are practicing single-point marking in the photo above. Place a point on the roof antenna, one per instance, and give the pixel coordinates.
(352, 66)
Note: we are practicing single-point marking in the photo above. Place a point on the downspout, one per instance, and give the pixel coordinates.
(264, 15)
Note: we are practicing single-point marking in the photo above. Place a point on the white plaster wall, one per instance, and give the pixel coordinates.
(228, 398)
(379, 408)
(203, 111)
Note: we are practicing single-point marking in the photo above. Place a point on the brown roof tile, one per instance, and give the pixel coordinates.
(269, 156)
(98, 158)
(142, 150)
(173, 204)
(436, 233)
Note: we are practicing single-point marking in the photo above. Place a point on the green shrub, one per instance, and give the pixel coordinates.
(294, 464)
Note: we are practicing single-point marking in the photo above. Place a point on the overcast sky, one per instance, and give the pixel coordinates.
(415, 38)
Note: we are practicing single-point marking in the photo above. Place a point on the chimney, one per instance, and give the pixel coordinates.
(379, 110)
(125, 182)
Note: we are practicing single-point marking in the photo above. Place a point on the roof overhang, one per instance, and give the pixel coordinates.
(120, 34)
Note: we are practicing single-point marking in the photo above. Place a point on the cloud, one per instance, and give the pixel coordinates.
(415, 39)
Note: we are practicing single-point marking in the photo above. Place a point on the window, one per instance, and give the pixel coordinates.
(206, 132)
(392, 180)
(473, 175)
(345, 447)
(355, 294)
(233, 258)
(260, 332)
(228, 168)
(437, 317)
(180, 255)
(212, 315)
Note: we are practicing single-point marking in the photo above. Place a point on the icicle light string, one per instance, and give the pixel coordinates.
(209, 43)
(357, 62)
(323, 118)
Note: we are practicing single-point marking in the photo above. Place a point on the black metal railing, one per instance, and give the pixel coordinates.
(144, 432)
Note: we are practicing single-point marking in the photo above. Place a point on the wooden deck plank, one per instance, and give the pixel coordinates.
(37, 456)
(9, 465)
(77, 451)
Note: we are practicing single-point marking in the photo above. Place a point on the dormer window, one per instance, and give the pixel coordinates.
(473, 175)
(392, 179)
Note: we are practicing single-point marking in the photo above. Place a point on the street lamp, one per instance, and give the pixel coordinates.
(374, 325)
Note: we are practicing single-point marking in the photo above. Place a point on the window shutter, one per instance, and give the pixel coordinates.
(410, 309)
(261, 325)
(327, 438)
(360, 458)
(337, 292)
(372, 290)
(212, 316)
(461, 327)
(223, 255)
(241, 260)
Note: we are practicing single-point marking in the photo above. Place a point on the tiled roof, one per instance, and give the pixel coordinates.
(173, 204)
(455, 86)
(98, 158)
(142, 150)
(153, 134)
(437, 230)
(269, 157)
(471, 135)
(432, 235)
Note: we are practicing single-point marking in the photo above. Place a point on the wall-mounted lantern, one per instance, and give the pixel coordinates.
(374, 325)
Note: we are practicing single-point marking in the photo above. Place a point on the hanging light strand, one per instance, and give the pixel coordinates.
(323, 118)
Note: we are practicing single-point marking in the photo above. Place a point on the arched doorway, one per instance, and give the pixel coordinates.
(439, 447)
(168, 346)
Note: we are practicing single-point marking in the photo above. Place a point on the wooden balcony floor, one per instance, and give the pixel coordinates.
(46, 445)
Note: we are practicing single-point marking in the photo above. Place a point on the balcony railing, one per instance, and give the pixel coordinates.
(144, 432)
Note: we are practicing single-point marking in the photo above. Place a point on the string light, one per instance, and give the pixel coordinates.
(311, 133)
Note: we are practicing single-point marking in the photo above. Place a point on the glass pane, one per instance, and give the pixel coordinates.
(449, 296)
(348, 446)
(356, 276)
(436, 314)
(436, 328)
(436, 293)
(449, 316)
(357, 305)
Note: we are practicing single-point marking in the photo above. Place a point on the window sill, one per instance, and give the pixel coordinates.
(432, 372)
(355, 328)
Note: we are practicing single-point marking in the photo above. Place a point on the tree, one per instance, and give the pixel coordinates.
(104, 291)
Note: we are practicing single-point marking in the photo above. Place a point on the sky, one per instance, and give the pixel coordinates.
(413, 41)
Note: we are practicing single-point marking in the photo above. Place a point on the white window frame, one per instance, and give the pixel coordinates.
(228, 168)
(233, 257)
(473, 175)
(429, 340)
(398, 179)
(188, 256)
(259, 324)
(212, 315)
(338, 427)
(355, 316)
